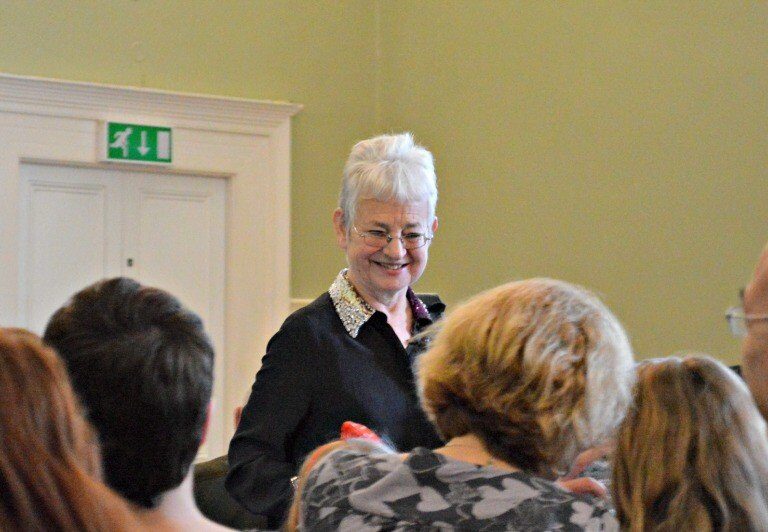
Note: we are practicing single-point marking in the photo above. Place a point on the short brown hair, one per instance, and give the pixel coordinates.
(692, 452)
(538, 369)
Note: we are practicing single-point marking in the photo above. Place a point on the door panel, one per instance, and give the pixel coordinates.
(175, 236)
(70, 238)
(173, 242)
(84, 224)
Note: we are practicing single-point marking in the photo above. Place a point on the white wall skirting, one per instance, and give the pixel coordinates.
(244, 141)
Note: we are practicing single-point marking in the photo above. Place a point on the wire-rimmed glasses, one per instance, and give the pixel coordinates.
(737, 320)
(376, 238)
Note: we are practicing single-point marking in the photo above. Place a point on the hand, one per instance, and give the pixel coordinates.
(587, 457)
(584, 485)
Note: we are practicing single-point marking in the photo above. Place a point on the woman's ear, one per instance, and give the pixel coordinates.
(434, 225)
(340, 229)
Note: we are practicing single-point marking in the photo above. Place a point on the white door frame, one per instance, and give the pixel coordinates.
(244, 141)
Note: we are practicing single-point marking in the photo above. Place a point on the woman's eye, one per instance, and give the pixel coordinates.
(377, 234)
(413, 236)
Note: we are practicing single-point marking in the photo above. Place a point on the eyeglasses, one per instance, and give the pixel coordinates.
(737, 320)
(379, 239)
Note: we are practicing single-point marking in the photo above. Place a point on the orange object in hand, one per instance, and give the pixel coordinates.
(351, 430)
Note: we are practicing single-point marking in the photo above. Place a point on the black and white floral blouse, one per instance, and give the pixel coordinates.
(353, 490)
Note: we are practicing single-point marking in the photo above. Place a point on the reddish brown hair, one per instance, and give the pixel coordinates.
(49, 459)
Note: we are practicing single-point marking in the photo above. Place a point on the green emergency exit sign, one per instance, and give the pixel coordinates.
(138, 143)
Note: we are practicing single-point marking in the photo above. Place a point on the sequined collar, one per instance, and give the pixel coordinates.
(354, 311)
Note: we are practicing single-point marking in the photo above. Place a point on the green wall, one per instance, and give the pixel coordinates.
(619, 145)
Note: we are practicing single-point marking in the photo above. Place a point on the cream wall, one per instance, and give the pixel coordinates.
(622, 146)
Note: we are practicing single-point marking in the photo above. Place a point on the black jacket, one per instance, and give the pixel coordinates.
(314, 377)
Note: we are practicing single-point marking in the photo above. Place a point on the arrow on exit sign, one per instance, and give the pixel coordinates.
(138, 143)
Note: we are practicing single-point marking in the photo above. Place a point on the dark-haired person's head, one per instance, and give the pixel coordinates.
(142, 365)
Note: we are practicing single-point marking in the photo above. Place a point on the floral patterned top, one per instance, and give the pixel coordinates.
(354, 490)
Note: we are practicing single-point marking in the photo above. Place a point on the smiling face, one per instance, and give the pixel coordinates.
(383, 274)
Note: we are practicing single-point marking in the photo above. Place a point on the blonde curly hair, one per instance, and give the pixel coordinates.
(537, 369)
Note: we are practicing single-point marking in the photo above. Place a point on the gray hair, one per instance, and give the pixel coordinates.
(385, 168)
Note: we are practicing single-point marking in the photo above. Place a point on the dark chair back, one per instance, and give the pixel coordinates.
(215, 503)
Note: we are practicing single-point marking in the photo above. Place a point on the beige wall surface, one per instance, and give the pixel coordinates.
(621, 146)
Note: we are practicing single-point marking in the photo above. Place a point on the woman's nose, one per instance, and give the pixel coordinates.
(395, 247)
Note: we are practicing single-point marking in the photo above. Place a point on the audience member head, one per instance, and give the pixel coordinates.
(143, 367)
(49, 458)
(538, 370)
(692, 452)
(386, 168)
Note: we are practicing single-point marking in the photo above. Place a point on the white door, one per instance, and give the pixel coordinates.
(80, 225)
(70, 236)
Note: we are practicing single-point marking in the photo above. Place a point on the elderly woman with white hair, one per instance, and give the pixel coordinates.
(519, 380)
(348, 355)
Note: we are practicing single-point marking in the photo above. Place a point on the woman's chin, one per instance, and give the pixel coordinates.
(391, 284)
